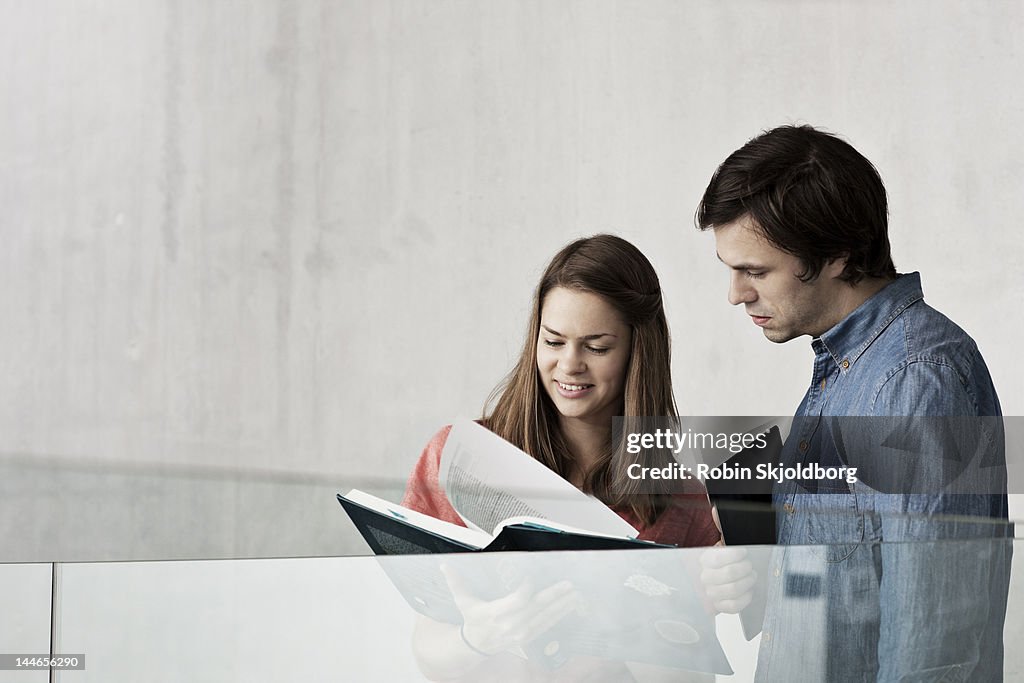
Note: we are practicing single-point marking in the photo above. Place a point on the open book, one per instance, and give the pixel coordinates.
(636, 606)
(508, 500)
(391, 529)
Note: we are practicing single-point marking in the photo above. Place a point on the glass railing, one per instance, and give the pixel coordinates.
(583, 615)
(63, 510)
(205, 575)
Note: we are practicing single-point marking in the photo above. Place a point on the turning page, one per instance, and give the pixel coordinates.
(488, 480)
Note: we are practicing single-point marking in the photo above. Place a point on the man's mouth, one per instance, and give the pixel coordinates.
(759, 320)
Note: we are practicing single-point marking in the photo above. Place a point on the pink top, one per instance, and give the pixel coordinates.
(686, 523)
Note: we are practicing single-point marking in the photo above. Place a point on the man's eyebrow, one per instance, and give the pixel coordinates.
(741, 266)
(588, 337)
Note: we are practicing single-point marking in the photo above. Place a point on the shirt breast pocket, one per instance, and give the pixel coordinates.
(836, 527)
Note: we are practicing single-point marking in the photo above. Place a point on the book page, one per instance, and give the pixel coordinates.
(438, 526)
(487, 480)
(549, 524)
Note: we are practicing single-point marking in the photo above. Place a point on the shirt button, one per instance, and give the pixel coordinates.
(803, 446)
(766, 636)
(788, 507)
(823, 385)
(777, 572)
(845, 364)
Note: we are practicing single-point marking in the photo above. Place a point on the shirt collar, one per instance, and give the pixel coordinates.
(852, 335)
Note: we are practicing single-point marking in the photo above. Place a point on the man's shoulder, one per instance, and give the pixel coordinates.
(896, 328)
(928, 336)
(924, 352)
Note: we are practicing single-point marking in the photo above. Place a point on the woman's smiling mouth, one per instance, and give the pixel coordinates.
(573, 390)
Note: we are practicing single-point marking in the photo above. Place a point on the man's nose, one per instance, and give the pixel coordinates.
(740, 291)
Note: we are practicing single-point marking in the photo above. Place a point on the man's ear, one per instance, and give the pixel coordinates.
(834, 267)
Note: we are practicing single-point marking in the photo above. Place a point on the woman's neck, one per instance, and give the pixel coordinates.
(586, 442)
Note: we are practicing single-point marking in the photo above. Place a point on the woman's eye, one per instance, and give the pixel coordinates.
(553, 343)
(599, 350)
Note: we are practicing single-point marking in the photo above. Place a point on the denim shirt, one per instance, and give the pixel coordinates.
(865, 588)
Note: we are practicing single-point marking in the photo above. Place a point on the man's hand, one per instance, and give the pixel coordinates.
(728, 578)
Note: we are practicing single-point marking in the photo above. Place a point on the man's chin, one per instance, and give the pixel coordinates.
(776, 336)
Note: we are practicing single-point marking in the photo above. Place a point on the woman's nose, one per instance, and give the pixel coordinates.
(571, 361)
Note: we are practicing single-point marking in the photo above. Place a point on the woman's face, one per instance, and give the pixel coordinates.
(583, 352)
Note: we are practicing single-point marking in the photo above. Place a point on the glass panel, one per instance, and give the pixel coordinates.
(555, 615)
(59, 511)
(25, 621)
(242, 620)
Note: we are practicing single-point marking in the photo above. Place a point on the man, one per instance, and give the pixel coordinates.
(899, 391)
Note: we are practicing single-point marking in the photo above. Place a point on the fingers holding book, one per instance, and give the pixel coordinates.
(728, 578)
(510, 622)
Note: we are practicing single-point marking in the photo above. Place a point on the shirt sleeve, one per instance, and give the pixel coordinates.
(943, 577)
(423, 491)
(940, 455)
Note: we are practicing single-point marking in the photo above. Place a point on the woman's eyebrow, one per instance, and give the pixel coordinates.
(588, 337)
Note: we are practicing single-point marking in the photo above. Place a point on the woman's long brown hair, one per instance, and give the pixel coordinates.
(524, 415)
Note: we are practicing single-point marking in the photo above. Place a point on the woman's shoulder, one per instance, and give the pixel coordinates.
(437, 442)
(430, 457)
(439, 439)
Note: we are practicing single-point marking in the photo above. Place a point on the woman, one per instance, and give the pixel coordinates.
(597, 346)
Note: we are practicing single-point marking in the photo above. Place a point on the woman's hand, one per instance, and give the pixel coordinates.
(510, 622)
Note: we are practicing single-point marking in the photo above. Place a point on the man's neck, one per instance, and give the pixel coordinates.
(852, 297)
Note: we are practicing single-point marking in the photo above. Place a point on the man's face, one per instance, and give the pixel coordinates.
(766, 281)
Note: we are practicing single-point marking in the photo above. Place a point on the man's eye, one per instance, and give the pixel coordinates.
(553, 343)
(599, 350)
(754, 274)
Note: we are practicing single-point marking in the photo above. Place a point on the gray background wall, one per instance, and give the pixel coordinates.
(289, 240)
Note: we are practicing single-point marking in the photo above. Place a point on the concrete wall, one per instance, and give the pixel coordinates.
(298, 237)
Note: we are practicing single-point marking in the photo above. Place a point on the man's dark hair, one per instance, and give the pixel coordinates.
(811, 195)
